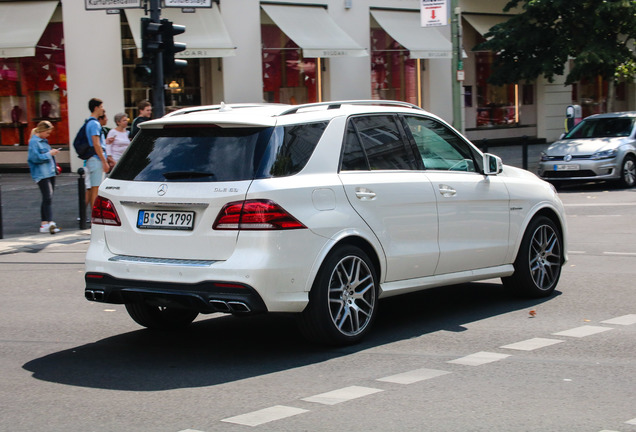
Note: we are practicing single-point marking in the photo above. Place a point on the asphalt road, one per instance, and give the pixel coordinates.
(461, 358)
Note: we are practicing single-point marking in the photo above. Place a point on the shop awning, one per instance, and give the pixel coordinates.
(483, 23)
(22, 25)
(205, 37)
(313, 30)
(405, 27)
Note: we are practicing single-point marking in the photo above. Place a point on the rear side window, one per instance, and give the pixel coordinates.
(215, 154)
(376, 143)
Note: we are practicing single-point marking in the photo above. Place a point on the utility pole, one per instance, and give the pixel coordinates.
(158, 96)
(457, 65)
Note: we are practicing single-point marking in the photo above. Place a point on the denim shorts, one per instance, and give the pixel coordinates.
(95, 171)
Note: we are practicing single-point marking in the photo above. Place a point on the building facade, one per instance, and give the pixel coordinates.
(56, 55)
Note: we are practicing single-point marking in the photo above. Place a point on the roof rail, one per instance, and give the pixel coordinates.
(216, 108)
(338, 104)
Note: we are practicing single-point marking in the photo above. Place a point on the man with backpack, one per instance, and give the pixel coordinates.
(97, 164)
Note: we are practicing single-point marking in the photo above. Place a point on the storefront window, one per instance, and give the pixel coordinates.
(393, 72)
(288, 77)
(33, 89)
(182, 90)
(496, 105)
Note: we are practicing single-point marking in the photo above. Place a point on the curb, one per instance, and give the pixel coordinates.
(38, 242)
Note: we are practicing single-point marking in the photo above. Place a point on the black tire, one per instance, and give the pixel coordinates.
(539, 260)
(343, 301)
(628, 172)
(160, 318)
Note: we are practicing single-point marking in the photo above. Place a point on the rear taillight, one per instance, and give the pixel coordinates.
(104, 212)
(255, 215)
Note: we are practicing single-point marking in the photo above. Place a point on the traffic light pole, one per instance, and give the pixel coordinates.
(158, 95)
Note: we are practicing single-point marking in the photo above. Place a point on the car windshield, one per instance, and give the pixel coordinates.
(193, 153)
(603, 128)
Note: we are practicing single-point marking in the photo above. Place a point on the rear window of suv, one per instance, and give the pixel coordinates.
(195, 153)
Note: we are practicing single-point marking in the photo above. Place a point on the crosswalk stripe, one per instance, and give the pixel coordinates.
(265, 415)
(532, 344)
(413, 376)
(583, 331)
(479, 358)
(341, 395)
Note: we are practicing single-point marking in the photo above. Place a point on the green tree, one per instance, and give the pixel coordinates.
(598, 35)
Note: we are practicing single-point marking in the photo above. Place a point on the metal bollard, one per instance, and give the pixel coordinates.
(484, 145)
(524, 151)
(81, 195)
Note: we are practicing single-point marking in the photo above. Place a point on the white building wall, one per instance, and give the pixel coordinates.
(93, 64)
(552, 101)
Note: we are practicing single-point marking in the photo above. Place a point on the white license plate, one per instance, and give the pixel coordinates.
(158, 219)
(564, 167)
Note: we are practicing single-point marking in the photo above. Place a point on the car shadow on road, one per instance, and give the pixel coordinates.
(223, 349)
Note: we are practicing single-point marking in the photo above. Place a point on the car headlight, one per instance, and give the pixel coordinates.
(544, 157)
(605, 154)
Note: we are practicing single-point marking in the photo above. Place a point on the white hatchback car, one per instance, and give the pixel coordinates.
(318, 209)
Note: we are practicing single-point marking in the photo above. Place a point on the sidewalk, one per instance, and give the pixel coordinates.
(20, 199)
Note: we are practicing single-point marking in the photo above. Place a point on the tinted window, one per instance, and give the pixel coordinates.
(440, 148)
(375, 142)
(214, 154)
(289, 149)
(603, 128)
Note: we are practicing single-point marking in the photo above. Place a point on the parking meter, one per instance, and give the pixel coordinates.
(573, 116)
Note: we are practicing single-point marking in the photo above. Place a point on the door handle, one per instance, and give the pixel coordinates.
(364, 194)
(447, 191)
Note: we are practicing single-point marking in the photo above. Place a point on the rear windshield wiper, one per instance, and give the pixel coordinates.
(174, 175)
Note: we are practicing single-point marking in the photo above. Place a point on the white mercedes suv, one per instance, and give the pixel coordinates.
(319, 210)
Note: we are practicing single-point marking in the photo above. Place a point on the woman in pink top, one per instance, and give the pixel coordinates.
(121, 139)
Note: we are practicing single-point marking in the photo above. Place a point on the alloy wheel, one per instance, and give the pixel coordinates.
(545, 257)
(351, 295)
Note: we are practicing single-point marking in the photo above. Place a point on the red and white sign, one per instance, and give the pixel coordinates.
(434, 13)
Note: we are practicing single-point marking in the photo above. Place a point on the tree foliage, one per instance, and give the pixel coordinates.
(598, 35)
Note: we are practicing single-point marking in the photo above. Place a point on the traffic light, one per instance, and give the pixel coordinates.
(170, 47)
(150, 45)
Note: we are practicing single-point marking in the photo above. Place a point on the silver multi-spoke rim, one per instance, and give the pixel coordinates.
(629, 172)
(545, 257)
(351, 295)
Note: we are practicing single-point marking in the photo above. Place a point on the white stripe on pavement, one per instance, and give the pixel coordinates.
(631, 422)
(413, 376)
(479, 358)
(265, 415)
(622, 320)
(583, 331)
(532, 344)
(341, 395)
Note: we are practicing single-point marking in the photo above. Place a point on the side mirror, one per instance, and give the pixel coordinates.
(492, 164)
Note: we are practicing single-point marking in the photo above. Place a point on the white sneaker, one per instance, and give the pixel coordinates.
(53, 228)
(45, 228)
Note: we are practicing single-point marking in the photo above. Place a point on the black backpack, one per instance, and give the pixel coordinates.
(83, 148)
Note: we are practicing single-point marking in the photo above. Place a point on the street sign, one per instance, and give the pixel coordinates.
(187, 3)
(111, 4)
(434, 13)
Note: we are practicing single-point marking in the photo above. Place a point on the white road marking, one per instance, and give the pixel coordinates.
(413, 376)
(622, 320)
(576, 252)
(479, 358)
(341, 395)
(631, 422)
(599, 204)
(532, 344)
(620, 253)
(583, 331)
(265, 415)
(190, 430)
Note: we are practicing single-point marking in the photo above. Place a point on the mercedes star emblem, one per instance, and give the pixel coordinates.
(161, 191)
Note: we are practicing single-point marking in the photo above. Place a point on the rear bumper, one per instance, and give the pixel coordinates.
(204, 297)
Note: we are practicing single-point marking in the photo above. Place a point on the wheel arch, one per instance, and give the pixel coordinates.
(555, 217)
(354, 239)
